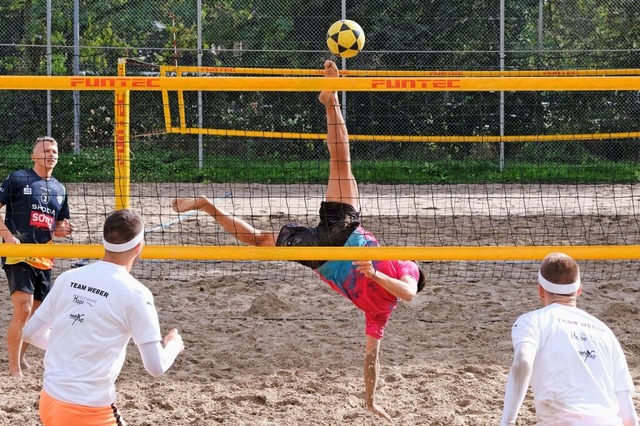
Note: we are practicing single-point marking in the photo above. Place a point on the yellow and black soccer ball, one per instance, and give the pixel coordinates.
(345, 38)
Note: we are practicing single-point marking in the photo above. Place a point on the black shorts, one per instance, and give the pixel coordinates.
(24, 277)
(337, 223)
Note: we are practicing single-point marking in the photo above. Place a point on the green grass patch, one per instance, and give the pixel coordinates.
(161, 165)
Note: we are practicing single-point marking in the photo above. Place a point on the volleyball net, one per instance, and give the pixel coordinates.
(446, 172)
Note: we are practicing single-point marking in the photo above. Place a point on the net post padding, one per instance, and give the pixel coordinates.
(121, 152)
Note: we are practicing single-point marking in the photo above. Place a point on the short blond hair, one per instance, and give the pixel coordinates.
(42, 139)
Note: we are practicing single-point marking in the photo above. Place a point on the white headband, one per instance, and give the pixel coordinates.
(558, 288)
(119, 248)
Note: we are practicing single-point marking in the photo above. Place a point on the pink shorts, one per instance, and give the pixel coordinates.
(58, 413)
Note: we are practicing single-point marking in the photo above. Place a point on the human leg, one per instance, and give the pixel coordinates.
(24, 362)
(371, 374)
(22, 304)
(342, 186)
(40, 280)
(238, 228)
(22, 279)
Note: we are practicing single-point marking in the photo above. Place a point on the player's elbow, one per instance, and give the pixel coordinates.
(407, 296)
(406, 289)
(154, 370)
(521, 366)
(408, 293)
(153, 365)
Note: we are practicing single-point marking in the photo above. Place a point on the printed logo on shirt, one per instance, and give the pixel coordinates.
(81, 300)
(588, 354)
(26, 190)
(76, 318)
(60, 198)
(43, 209)
(41, 220)
(90, 289)
(45, 198)
(581, 337)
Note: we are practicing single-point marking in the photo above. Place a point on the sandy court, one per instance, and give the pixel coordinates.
(269, 344)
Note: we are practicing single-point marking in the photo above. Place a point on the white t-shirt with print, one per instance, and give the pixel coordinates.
(93, 312)
(579, 366)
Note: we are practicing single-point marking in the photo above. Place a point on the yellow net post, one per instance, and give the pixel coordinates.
(122, 171)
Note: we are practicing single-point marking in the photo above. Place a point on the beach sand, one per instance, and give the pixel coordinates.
(268, 343)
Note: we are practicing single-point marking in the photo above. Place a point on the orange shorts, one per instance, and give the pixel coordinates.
(58, 413)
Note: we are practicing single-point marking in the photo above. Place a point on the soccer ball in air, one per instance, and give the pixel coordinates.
(345, 38)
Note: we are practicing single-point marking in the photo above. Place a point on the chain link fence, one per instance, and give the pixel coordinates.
(404, 35)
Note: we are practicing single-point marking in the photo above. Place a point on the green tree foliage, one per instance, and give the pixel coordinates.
(400, 35)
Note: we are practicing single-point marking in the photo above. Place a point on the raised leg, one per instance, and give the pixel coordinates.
(238, 228)
(342, 186)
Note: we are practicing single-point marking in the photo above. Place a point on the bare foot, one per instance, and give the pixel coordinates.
(16, 374)
(379, 411)
(185, 204)
(330, 69)
(328, 97)
(24, 364)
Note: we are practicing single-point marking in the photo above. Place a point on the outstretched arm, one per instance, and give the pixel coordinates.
(518, 382)
(371, 373)
(238, 228)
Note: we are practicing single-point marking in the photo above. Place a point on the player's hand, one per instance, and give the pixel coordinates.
(365, 267)
(64, 228)
(174, 336)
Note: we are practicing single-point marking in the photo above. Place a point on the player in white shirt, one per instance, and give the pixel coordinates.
(85, 324)
(576, 366)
